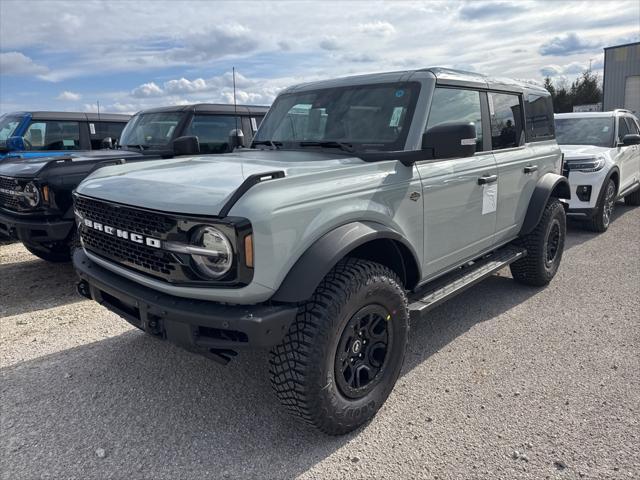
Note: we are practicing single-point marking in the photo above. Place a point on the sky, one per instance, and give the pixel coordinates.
(131, 55)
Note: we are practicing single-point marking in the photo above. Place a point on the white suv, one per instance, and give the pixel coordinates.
(602, 162)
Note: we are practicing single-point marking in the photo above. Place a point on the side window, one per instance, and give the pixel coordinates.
(455, 105)
(539, 122)
(506, 120)
(98, 131)
(213, 131)
(622, 128)
(53, 135)
(633, 127)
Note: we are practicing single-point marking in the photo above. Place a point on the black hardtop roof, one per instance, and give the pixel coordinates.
(81, 116)
(443, 76)
(224, 108)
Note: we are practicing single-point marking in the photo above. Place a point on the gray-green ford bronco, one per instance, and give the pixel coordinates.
(362, 202)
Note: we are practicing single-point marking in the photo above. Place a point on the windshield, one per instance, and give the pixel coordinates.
(366, 117)
(596, 131)
(8, 124)
(147, 130)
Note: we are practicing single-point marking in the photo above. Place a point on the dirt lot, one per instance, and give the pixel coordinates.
(504, 382)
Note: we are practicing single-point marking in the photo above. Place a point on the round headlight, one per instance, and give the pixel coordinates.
(217, 254)
(31, 195)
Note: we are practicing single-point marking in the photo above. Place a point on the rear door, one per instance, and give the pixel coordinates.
(518, 168)
(625, 155)
(634, 150)
(459, 216)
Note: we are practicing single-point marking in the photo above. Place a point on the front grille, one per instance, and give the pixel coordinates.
(133, 254)
(150, 260)
(134, 220)
(6, 199)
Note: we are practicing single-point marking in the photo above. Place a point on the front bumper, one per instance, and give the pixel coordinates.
(594, 180)
(197, 325)
(40, 230)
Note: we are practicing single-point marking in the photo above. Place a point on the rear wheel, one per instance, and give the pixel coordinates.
(58, 252)
(343, 354)
(604, 210)
(633, 199)
(544, 245)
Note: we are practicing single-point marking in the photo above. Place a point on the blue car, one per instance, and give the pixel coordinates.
(46, 134)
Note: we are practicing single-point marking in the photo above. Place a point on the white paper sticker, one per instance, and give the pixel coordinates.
(92, 128)
(68, 142)
(395, 116)
(254, 124)
(489, 198)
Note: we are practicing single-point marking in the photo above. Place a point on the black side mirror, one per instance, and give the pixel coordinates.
(450, 140)
(236, 139)
(107, 143)
(188, 145)
(631, 139)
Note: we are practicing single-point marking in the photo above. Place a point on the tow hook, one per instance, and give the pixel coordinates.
(83, 289)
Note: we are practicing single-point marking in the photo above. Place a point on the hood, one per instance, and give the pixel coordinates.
(200, 185)
(31, 167)
(582, 151)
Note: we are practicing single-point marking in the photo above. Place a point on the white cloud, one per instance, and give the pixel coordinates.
(16, 63)
(147, 90)
(377, 28)
(69, 96)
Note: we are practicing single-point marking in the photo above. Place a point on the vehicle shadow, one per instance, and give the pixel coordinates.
(161, 412)
(32, 285)
(578, 233)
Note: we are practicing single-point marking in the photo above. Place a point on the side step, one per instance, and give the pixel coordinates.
(445, 287)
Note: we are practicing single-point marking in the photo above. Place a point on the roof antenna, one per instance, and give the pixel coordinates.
(98, 102)
(235, 105)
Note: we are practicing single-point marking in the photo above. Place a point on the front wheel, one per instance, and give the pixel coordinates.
(604, 210)
(544, 245)
(342, 356)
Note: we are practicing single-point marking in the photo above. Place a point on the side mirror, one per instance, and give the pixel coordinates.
(15, 144)
(236, 139)
(107, 143)
(631, 139)
(450, 140)
(186, 146)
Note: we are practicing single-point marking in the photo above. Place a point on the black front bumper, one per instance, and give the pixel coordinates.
(197, 325)
(38, 230)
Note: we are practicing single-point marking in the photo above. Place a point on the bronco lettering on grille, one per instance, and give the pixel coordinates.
(125, 235)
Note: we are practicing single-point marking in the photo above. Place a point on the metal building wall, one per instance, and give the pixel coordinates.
(620, 62)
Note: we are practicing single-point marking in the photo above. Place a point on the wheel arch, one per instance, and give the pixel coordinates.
(548, 186)
(368, 240)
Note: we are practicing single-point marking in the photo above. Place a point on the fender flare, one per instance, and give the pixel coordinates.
(550, 184)
(314, 264)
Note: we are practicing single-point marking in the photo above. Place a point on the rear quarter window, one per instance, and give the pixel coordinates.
(539, 123)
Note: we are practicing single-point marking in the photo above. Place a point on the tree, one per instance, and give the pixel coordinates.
(584, 90)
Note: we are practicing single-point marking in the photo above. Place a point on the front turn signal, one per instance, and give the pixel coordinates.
(248, 250)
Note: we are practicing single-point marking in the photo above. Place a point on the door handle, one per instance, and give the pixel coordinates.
(487, 179)
(530, 168)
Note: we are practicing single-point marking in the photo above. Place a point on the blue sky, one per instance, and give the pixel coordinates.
(130, 55)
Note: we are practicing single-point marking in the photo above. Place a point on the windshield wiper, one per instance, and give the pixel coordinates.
(347, 147)
(271, 143)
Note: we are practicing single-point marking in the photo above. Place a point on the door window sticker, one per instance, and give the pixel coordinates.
(489, 198)
(396, 116)
(92, 129)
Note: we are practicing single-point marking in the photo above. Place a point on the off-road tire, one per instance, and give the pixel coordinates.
(535, 268)
(304, 368)
(633, 199)
(56, 253)
(604, 210)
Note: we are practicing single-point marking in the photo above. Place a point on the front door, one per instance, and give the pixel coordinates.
(459, 210)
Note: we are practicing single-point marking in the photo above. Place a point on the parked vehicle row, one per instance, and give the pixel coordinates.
(36, 206)
(358, 204)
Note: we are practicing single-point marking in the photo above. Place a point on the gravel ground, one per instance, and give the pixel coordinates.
(503, 382)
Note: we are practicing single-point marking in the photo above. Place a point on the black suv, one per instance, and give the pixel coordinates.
(35, 194)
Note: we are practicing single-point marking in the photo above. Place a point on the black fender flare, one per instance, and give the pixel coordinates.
(550, 184)
(312, 266)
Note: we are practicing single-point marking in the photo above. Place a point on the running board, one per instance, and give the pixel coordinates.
(459, 280)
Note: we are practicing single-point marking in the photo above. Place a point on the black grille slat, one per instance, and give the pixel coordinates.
(7, 200)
